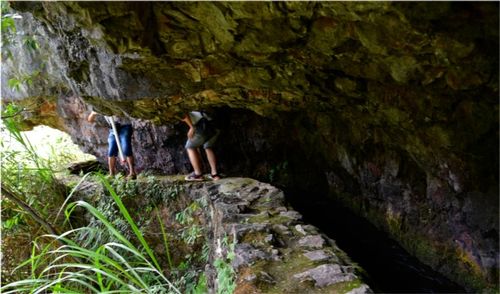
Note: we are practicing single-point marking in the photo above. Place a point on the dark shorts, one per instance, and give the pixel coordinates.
(125, 136)
(200, 139)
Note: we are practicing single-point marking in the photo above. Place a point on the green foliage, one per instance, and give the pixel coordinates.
(31, 43)
(25, 79)
(189, 235)
(201, 286)
(71, 267)
(112, 252)
(30, 177)
(12, 221)
(8, 24)
(8, 29)
(183, 232)
(14, 84)
(157, 192)
(205, 252)
(226, 282)
(191, 231)
(23, 172)
(152, 193)
(165, 241)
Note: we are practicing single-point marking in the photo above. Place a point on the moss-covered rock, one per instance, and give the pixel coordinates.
(267, 254)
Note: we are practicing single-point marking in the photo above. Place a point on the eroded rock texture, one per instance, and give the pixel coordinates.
(391, 108)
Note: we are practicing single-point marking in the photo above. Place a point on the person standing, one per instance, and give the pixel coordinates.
(124, 131)
(201, 133)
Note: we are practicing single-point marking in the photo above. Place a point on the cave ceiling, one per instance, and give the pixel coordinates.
(157, 59)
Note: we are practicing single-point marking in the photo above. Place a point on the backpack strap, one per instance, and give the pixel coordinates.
(205, 115)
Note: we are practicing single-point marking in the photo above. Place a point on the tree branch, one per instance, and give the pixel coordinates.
(48, 227)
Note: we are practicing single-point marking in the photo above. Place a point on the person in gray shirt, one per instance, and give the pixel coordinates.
(201, 133)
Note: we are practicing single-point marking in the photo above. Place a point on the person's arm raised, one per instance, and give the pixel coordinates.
(91, 117)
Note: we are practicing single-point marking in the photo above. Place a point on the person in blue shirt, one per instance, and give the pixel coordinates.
(124, 129)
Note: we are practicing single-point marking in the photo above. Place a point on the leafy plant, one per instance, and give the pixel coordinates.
(157, 192)
(201, 287)
(191, 231)
(30, 193)
(225, 273)
(14, 40)
(119, 266)
(28, 188)
(111, 253)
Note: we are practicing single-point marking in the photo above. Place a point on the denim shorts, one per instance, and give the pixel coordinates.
(200, 139)
(125, 136)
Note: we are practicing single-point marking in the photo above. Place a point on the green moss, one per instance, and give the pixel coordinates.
(281, 271)
(345, 287)
(394, 225)
(266, 218)
(438, 137)
(255, 238)
(394, 116)
(294, 262)
(461, 267)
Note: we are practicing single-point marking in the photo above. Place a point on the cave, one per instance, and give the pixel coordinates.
(384, 110)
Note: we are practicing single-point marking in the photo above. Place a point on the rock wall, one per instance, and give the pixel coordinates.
(391, 108)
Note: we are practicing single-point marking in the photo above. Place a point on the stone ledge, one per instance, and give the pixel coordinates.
(275, 251)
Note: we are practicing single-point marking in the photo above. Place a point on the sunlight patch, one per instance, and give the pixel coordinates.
(50, 144)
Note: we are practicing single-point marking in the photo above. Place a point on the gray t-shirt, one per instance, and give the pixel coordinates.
(195, 116)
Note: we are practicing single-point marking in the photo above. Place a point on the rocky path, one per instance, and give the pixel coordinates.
(275, 252)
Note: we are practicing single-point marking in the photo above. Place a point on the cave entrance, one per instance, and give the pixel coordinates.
(49, 144)
(27, 159)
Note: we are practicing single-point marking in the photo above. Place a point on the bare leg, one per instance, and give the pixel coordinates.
(194, 158)
(112, 165)
(212, 161)
(130, 163)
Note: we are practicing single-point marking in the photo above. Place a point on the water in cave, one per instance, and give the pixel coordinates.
(389, 268)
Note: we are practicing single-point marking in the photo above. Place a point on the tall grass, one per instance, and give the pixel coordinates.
(110, 255)
(114, 267)
(57, 262)
(30, 193)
